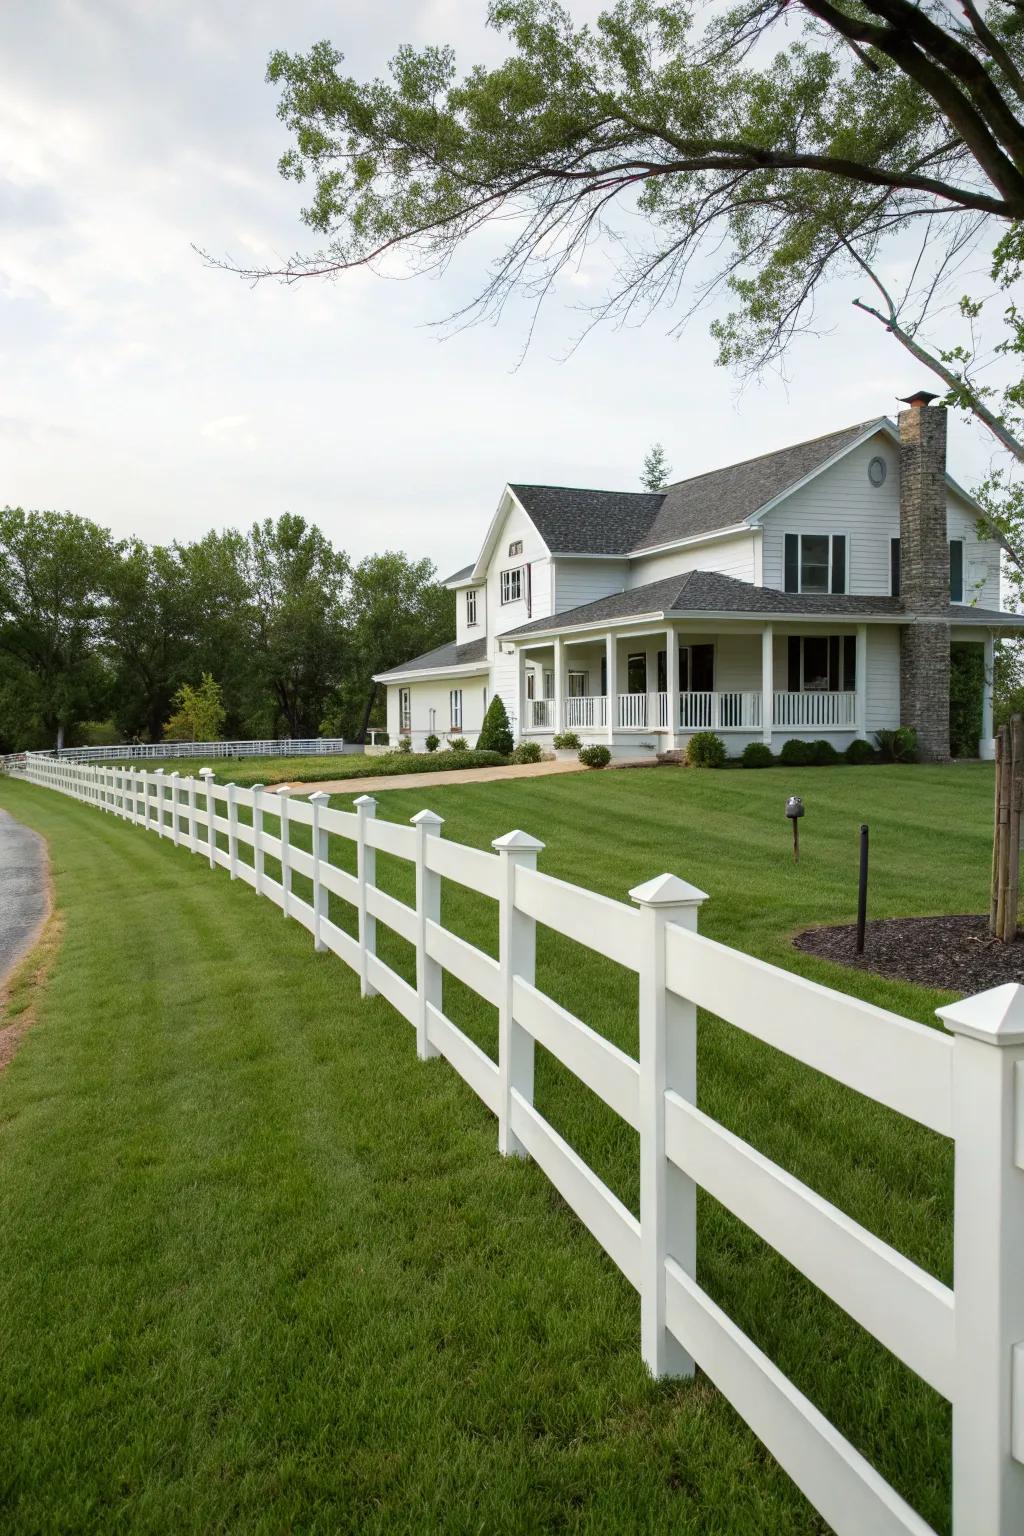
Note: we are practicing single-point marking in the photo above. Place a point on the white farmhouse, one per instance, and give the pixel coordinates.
(813, 592)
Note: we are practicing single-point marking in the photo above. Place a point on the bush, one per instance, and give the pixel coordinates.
(705, 750)
(859, 751)
(460, 744)
(496, 733)
(825, 754)
(595, 756)
(527, 752)
(567, 741)
(405, 745)
(898, 746)
(757, 755)
(797, 753)
(966, 686)
(432, 743)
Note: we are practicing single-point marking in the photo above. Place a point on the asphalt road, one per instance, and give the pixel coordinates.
(22, 888)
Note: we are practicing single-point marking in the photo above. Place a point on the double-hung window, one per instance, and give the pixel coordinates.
(470, 609)
(404, 709)
(512, 585)
(822, 663)
(815, 562)
(455, 708)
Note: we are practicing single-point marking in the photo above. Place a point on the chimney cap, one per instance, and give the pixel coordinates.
(918, 399)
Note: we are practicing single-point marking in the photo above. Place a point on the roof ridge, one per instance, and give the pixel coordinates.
(587, 490)
(771, 453)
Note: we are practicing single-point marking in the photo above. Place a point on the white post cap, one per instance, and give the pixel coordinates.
(364, 800)
(284, 789)
(517, 842)
(667, 891)
(255, 787)
(319, 797)
(427, 819)
(995, 1016)
(206, 773)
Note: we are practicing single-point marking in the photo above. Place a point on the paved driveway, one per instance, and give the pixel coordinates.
(23, 896)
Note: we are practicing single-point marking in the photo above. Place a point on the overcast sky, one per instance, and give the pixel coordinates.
(162, 398)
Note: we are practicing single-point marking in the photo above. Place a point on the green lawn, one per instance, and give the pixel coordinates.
(307, 770)
(265, 1271)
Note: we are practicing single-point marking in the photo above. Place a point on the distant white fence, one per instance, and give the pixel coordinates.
(967, 1343)
(285, 746)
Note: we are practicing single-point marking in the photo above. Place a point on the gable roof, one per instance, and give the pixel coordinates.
(457, 576)
(442, 658)
(579, 522)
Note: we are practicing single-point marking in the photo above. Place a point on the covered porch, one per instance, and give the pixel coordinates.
(654, 687)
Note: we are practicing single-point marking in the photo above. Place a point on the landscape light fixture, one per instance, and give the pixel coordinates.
(794, 810)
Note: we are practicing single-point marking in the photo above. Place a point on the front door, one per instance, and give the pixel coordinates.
(702, 669)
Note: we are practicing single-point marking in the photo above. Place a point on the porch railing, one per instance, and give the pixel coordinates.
(542, 714)
(827, 709)
(586, 710)
(732, 711)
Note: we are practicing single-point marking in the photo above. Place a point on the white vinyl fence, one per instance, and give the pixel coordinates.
(967, 1343)
(283, 746)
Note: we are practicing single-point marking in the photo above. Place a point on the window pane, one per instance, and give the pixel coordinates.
(815, 663)
(702, 668)
(636, 674)
(814, 562)
(850, 663)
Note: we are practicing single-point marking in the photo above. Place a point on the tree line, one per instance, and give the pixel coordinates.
(98, 635)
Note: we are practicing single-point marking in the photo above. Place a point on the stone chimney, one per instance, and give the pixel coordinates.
(924, 576)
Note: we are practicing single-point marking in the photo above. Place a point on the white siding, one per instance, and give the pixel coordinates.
(501, 617)
(883, 689)
(584, 581)
(464, 632)
(732, 557)
(981, 556)
(434, 695)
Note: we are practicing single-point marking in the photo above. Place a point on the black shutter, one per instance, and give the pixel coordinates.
(839, 562)
(794, 661)
(604, 674)
(850, 663)
(792, 573)
(894, 566)
(956, 571)
(684, 669)
(662, 671)
(833, 663)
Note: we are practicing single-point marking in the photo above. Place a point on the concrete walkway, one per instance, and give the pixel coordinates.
(373, 784)
(24, 898)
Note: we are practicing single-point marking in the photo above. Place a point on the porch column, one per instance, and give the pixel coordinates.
(767, 683)
(861, 669)
(521, 701)
(559, 723)
(987, 746)
(611, 671)
(672, 688)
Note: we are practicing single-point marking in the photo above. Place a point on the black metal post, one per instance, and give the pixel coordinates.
(862, 892)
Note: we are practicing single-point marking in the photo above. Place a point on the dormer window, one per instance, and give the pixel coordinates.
(470, 609)
(815, 562)
(515, 548)
(512, 585)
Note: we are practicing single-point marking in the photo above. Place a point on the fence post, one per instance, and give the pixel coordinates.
(206, 774)
(366, 874)
(429, 975)
(988, 1261)
(175, 790)
(158, 775)
(232, 831)
(193, 830)
(257, 838)
(668, 1059)
(283, 792)
(319, 850)
(517, 954)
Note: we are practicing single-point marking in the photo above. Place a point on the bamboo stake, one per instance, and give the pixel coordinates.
(994, 885)
(1004, 818)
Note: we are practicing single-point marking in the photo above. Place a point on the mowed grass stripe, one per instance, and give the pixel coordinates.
(309, 1220)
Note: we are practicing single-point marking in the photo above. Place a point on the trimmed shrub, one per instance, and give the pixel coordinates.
(797, 753)
(495, 733)
(899, 746)
(595, 756)
(432, 743)
(859, 751)
(567, 741)
(405, 745)
(825, 754)
(460, 744)
(527, 752)
(705, 750)
(757, 754)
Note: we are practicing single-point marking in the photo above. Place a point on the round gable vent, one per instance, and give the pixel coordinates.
(877, 471)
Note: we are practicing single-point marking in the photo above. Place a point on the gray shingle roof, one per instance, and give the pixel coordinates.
(573, 521)
(467, 570)
(710, 592)
(578, 522)
(450, 655)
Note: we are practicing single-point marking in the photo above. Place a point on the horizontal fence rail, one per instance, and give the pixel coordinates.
(285, 746)
(966, 1342)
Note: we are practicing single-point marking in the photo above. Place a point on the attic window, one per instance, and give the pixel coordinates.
(877, 471)
(516, 547)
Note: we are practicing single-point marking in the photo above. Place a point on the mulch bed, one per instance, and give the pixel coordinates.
(955, 954)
